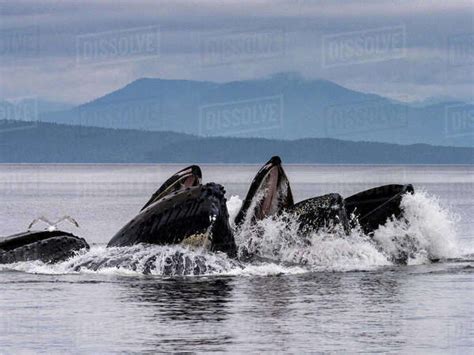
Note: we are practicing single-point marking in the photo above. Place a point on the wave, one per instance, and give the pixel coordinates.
(427, 232)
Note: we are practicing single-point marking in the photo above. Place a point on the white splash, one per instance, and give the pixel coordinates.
(427, 232)
(277, 239)
(233, 206)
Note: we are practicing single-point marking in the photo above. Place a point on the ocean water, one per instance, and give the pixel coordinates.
(330, 294)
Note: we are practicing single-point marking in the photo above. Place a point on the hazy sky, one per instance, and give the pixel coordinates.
(75, 51)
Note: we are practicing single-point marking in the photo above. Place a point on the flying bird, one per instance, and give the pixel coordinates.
(52, 226)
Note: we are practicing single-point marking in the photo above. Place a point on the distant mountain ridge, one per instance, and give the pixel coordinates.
(37, 142)
(283, 106)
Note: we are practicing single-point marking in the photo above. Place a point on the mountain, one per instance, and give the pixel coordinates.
(37, 142)
(284, 106)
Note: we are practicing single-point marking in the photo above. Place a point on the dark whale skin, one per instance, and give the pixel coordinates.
(371, 208)
(187, 177)
(322, 212)
(374, 206)
(45, 246)
(181, 214)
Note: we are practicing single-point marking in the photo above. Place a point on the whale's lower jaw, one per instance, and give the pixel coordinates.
(268, 194)
(48, 247)
(179, 217)
(373, 207)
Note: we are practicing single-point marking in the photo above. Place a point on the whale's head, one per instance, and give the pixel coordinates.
(268, 194)
(187, 177)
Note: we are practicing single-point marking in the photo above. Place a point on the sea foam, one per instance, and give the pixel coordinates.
(427, 232)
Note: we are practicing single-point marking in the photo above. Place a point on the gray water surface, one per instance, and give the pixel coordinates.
(422, 307)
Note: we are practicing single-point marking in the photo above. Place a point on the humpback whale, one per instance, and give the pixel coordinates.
(182, 211)
(187, 177)
(47, 246)
(185, 211)
(270, 194)
(322, 212)
(373, 207)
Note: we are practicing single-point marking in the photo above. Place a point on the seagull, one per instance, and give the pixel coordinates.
(52, 226)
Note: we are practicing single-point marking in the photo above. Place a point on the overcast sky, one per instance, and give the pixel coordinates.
(76, 51)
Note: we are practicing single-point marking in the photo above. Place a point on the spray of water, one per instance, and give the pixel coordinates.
(428, 231)
(274, 246)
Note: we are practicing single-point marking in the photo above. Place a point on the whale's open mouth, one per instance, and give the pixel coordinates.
(268, 195)
(187, 177)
